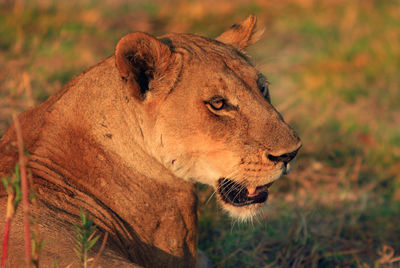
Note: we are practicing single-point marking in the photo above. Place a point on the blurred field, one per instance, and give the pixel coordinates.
(334, 68)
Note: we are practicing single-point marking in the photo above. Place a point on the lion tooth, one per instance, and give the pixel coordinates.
(252, 191)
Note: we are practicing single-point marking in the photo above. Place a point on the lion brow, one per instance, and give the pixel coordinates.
(238, 76)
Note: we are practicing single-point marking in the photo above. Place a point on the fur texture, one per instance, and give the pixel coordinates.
(127, 139)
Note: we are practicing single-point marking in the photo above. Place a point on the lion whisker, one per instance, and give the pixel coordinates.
(242, 187)
(208, 200)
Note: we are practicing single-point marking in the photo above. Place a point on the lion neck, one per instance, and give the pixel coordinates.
(89, 160)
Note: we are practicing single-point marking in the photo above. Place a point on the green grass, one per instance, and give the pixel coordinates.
(334, 73)
(84, 239)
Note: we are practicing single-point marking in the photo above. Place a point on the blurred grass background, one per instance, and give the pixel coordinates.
(334, 67)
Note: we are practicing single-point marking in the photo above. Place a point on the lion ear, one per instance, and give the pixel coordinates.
(242, 35)
(141, 58)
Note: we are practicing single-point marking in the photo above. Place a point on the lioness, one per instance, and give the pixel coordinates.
(127, 140)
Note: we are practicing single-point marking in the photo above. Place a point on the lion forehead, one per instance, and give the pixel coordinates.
(204, 48)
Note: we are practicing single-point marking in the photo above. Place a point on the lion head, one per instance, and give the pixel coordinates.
(205, 114)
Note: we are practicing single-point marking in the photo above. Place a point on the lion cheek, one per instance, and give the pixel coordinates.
(193, 169)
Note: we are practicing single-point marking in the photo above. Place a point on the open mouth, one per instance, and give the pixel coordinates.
(238, 195)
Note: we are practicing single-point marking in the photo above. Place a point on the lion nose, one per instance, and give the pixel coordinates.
(286, 157)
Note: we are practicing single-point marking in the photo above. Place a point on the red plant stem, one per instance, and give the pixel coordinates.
(5, 242)
(9, 216)
(25, 192)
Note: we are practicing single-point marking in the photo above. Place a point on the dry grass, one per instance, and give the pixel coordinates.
(334, 68)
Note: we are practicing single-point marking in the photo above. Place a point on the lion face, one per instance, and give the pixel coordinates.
(206, 113)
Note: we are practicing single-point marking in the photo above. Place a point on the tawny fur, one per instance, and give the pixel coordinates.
(127, 140)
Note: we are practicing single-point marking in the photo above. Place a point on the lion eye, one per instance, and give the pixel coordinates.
(263, 86)
(263, 89)
(217, 103)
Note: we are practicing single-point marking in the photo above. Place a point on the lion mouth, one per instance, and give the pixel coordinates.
(238, 195)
